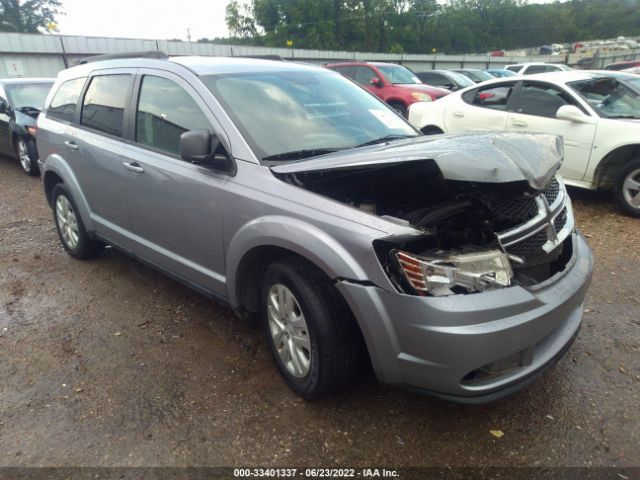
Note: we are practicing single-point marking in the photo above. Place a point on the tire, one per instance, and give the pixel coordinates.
(431, 131)
(627, 188)
(400, 108)
(25, 149)
(328, 335)
(71, 231)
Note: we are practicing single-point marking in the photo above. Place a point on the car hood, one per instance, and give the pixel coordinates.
(487, 158)
(435, 91)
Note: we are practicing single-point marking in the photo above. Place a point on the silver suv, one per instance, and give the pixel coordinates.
(450, 264)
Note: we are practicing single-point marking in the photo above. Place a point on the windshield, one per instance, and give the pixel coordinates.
(304, 112)
(28, 94)
(460, 79)
(397, 74)
(608, 97)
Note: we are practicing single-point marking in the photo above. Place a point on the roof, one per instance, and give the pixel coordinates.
(198, 65)
(19, 81)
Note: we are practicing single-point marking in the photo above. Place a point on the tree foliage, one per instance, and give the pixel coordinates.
(27, 16)
(419, 26)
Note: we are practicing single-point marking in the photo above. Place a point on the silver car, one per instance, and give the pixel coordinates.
(451, 264)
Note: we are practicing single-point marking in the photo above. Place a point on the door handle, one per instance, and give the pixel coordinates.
(519, 123)
(71, 144)
(458, 114)
(133, 167)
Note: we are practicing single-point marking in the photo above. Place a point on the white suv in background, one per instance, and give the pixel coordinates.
(597, 114)
(530, 68)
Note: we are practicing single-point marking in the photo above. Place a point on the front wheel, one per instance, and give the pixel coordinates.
(26, 153)
(627, 188)
(311, 333)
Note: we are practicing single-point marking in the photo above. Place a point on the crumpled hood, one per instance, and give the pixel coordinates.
(487, 157)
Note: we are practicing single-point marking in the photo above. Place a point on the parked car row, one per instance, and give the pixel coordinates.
(450, 264)
(596, 113)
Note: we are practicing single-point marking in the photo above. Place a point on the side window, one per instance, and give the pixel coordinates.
(105, 101)
(514, 68)
(541, 100)
(434, 79)
(165, 111)
(494, 97)
(535, 69)
(346, 71)
(63, 104)
(363, 75)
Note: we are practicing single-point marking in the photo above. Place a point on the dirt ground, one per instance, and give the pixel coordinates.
(108, 363)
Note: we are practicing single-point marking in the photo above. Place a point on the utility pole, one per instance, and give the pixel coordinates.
(188, 34)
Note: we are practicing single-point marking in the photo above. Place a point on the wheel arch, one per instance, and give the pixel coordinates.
(431, 130)
(268, 238)
(605, 173)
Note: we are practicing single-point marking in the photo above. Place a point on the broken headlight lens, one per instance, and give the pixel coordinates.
(447, 274)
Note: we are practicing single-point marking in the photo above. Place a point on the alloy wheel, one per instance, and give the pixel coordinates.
(67, 222)
(631, 189)
(23, 156)
(289, 330)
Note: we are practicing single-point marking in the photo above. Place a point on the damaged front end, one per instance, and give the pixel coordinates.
(489, 210)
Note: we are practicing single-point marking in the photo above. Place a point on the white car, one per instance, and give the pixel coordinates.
(530, 68)
(597, 114)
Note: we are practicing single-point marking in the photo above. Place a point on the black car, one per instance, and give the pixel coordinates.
(476, 75)
(21, 100)
(445, 79)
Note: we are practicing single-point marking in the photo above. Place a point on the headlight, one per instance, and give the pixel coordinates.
(421, 97)
(474, 272)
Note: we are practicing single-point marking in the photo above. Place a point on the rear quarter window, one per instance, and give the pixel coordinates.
(64, 102)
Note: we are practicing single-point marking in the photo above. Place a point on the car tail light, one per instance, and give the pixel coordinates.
(32, 131)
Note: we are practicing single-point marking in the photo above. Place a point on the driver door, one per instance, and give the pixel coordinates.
(535, 112)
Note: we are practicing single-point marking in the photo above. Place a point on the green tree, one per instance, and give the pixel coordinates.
(29, 16)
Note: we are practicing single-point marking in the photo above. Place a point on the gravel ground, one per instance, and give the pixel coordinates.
(108, 363)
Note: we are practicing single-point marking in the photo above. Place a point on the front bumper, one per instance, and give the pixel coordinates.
(439, 344)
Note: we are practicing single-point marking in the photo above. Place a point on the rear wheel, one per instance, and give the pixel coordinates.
(627, 188)
(73, 236)
(26, 153)
(312, 335)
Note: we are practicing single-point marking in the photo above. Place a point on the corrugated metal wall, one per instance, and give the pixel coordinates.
(29, 55)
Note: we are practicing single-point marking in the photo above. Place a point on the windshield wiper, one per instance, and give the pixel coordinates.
(299, 154)
(623, 116)
(386, 138)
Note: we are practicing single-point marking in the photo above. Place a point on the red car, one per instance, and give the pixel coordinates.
(395, 84)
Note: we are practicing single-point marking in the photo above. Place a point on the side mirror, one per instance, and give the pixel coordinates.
(376, 82)
(572, 114)
(3, 106)
(199, 147)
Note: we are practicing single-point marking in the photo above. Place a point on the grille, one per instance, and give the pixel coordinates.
(552, 191)
(517, 210)
(560, 220)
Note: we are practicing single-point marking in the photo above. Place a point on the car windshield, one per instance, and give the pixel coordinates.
(609, 97)
(398, 75)
(461, 79)
(288, 115)
(22, 95)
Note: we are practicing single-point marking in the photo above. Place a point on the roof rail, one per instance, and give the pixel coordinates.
(262, 57)
(158, 55)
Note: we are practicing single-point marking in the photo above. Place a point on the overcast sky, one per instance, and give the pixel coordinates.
(147, 18)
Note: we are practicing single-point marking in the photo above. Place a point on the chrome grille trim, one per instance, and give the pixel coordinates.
(544, 220)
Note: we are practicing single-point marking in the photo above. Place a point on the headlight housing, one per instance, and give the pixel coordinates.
(442, 274)
(421, 97)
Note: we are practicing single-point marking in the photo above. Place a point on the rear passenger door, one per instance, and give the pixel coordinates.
(482, 109)
(175, 205)
(96, 149)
